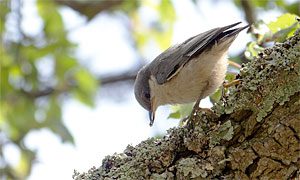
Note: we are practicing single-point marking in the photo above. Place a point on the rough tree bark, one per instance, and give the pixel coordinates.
(254, 133)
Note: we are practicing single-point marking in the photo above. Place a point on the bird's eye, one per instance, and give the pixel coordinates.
(147, 95)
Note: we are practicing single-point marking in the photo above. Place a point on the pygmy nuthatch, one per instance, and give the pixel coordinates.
(186, 72)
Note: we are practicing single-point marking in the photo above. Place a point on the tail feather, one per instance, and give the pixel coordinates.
(230, 33)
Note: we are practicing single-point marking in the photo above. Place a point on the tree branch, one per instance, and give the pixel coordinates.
(254, 133)
(249, 11)
(90, 8)
(39, 93)
(105, 80)
(127, 76)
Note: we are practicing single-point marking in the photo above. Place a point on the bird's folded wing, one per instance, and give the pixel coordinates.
(169, 63)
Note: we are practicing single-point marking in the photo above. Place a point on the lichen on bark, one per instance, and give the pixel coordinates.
(253, 133)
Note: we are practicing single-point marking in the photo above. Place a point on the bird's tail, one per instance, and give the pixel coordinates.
(226, 37)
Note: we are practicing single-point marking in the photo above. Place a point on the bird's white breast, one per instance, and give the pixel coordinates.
(199, 77)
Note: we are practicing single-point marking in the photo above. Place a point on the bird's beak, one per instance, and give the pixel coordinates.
(152, 111)
(151, 117)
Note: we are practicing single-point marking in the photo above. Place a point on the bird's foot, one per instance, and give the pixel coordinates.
(232, 83)
(234, 64)
(227, 85)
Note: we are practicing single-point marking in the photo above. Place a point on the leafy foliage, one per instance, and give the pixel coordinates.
(181, 111)
(31, 99)
(284, 27)
(276, 31)
(160, 29)
(282, 5)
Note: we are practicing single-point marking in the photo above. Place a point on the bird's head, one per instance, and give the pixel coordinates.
(143, 93)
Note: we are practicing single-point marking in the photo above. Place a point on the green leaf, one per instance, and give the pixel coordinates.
(283, 34)
(33, 53)
(53, 112)
(5, 87)
(293, 8)
(164, 39)
(86, 86)
(181, 111)
(54, 121)
(62, 131)
(64, 64)
(53, 23)
(283, 22)
(260, 3)
(280, 3)
(166, 11)
(175, 115)
(215, 97)
(230, 77)
(252, 50)
(86, 81)
(5, 8)
(20, 117)
(284, 27)
(26, 161)
(141, 38)
(6, 58)
(83, 97)
(130, 6)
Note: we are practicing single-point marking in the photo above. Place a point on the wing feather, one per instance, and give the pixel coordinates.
(168, 63)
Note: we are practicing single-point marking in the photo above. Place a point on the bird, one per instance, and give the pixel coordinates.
(186, 72)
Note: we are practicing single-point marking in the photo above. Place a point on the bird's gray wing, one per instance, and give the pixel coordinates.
(168, 63)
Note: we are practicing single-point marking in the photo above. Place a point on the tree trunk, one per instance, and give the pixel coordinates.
(254, 132)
